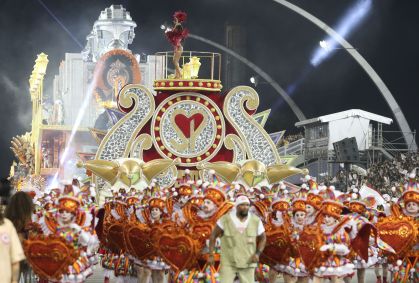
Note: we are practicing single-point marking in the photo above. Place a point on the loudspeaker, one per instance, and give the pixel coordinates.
(346, 150)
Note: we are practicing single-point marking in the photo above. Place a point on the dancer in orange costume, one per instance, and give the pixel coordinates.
(154, 215)
(296, 271)
(335, 265)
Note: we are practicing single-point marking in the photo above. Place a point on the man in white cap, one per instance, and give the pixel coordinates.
(242, 241)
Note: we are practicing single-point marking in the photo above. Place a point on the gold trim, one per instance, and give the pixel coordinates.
(36, 90)
(155, 167)
(251, 99)
(125, 100)
(185, 141)
(94, 132)
(108, 170)
(230, 141)
(264, 114)
(217, 86)
(177, 97)
(278, 172)
(187, 88)
(62, 128)
(187, 80)
(226, 170)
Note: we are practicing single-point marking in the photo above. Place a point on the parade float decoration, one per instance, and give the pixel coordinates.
(170, 165)
(24, 147)
(190, 127)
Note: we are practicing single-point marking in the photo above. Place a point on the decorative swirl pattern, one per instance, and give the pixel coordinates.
(141, 143)
(118, 141)
(233, 142)
(258, 143)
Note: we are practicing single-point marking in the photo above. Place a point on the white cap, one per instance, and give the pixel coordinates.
(241, 199)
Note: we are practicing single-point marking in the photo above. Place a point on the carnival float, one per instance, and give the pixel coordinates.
(172, 162)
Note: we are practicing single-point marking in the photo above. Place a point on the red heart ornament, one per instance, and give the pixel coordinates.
(50, 256)
(399, 232)
(177, 250)
(115, 237)
(138, 242)
(185, 124)
(309, 245)
(277, 249)
(202, 231)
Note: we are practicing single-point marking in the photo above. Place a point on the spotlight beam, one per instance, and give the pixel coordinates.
(385, 92)
(85, 103)
(60, 23)
(349, 21)
(79, 118)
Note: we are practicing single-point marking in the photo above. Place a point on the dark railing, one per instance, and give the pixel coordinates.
(391, 141)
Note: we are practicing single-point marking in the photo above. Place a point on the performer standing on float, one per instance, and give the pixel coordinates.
(176, 35)
(242, 241)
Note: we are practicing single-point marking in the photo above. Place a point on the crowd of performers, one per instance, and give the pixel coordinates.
(161, 234)
(64, 220)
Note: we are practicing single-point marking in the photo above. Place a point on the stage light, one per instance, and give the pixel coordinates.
(352, 18)
(323, 44)
(256, 80)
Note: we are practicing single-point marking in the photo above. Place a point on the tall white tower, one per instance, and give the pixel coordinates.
(113, 30)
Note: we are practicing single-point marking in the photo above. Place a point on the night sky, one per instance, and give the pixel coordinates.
(278, 40)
